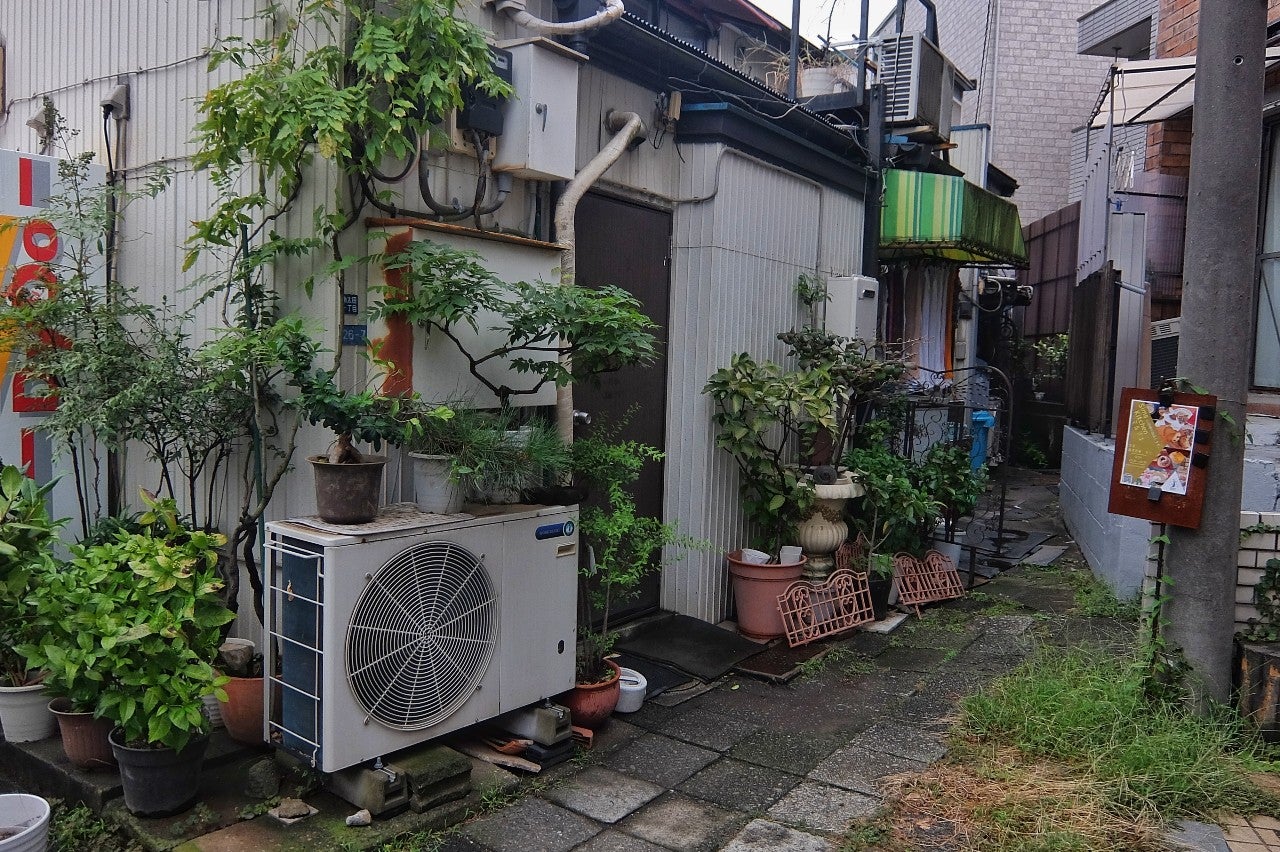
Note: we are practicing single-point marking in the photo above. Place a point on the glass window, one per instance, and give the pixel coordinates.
(1266, 348)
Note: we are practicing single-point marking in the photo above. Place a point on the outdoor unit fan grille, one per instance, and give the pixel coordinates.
(421, 635)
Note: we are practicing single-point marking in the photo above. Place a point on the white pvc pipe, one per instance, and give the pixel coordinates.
(514, 9)
(625, 126)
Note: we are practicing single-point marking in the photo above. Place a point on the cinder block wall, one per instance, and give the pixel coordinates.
(1115, 546)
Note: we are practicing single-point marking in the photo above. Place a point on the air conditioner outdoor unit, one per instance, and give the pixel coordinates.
(919, 87)
(1164, 350)
(380, 640)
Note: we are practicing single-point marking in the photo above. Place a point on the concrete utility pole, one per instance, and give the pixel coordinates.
(1215, 351)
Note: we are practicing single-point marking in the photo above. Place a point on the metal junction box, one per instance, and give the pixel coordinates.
(540, 140)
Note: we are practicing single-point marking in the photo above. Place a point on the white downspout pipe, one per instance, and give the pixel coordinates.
(514, 9)
(625, 127)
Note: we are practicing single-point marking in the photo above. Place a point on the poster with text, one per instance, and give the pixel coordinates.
(1158, 446)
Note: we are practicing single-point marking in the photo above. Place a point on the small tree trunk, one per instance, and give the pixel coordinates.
(343, 452)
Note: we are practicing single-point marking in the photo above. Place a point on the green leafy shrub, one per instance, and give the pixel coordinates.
(626, 546)
(27, 535)
(130, 628)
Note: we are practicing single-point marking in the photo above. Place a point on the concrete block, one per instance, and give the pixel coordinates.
(1248, 577)
(1247, 559)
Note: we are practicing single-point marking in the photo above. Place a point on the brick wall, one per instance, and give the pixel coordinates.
(1255, 550)
(1169, 143)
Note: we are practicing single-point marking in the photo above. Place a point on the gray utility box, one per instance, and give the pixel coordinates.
(540, 140)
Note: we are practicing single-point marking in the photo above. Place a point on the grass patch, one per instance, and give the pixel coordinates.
(1094, 599)
(1087, 710)
(1066, 754)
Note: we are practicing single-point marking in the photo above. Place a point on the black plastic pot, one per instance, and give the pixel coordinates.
(880, 589)
(159, 782)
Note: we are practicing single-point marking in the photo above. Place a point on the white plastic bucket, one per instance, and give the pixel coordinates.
(634, 686)
(30, 815)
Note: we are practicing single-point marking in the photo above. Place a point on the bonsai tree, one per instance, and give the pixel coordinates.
(363, 416)
(623, 546)
(552, 333)
(26, 540)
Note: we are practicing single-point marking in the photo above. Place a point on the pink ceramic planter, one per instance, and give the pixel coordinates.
(755, 591)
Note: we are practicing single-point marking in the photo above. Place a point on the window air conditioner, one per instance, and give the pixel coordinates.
(919, 87)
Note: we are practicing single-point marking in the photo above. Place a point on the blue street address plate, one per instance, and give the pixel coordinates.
(355, 335)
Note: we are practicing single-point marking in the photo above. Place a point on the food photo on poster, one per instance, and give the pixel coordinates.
(1158, 446)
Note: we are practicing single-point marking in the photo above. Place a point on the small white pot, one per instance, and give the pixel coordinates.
(24, 713)
(633, 688)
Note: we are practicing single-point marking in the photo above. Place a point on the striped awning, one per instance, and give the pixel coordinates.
(949, 219)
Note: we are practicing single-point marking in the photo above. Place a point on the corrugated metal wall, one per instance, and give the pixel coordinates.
(735, 259)
(744, 229)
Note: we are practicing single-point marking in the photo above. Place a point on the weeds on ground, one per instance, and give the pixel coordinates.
(1094, 599)
(1088, 710)
(996, 799)
(78, 829)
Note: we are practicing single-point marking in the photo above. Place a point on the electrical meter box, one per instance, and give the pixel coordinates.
(540, 138)
(853, 306)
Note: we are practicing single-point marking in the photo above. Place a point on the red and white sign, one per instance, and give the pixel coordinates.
(30, 247)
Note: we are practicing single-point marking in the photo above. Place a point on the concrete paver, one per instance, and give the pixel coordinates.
(616, 841)
(824, 808)
(764, 836)
(676, 821)
(603, 794)
(532, 825)
(857, 768)
(660, 759)
(742, 786)
(711, 730)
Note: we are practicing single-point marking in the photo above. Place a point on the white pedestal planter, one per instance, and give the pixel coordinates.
(825, 529)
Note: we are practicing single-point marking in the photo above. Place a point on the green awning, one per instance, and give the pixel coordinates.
(947, 218)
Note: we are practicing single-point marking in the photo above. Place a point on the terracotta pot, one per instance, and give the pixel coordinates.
(243, 710)
(84, 738)
(755, 591)
(590, 704)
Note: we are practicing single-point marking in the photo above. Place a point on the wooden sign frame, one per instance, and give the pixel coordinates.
(1163, 442)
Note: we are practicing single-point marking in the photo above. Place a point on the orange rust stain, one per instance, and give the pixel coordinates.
(396, 347)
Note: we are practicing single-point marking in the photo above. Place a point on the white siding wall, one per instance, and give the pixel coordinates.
(737, 252)
(736, 256)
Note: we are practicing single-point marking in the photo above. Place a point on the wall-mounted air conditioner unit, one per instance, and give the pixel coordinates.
(381, 640)
(1164, 350)
(919, 87)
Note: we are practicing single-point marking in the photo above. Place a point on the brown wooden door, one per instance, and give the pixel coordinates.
(628, 245)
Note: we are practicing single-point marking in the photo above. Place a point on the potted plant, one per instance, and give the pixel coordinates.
(622, 548)
(481, 452)
(26, 539)
(893, 514)
(74, 653)
(159, 617)
(348, 482)
(243, 708)
(945, 473)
